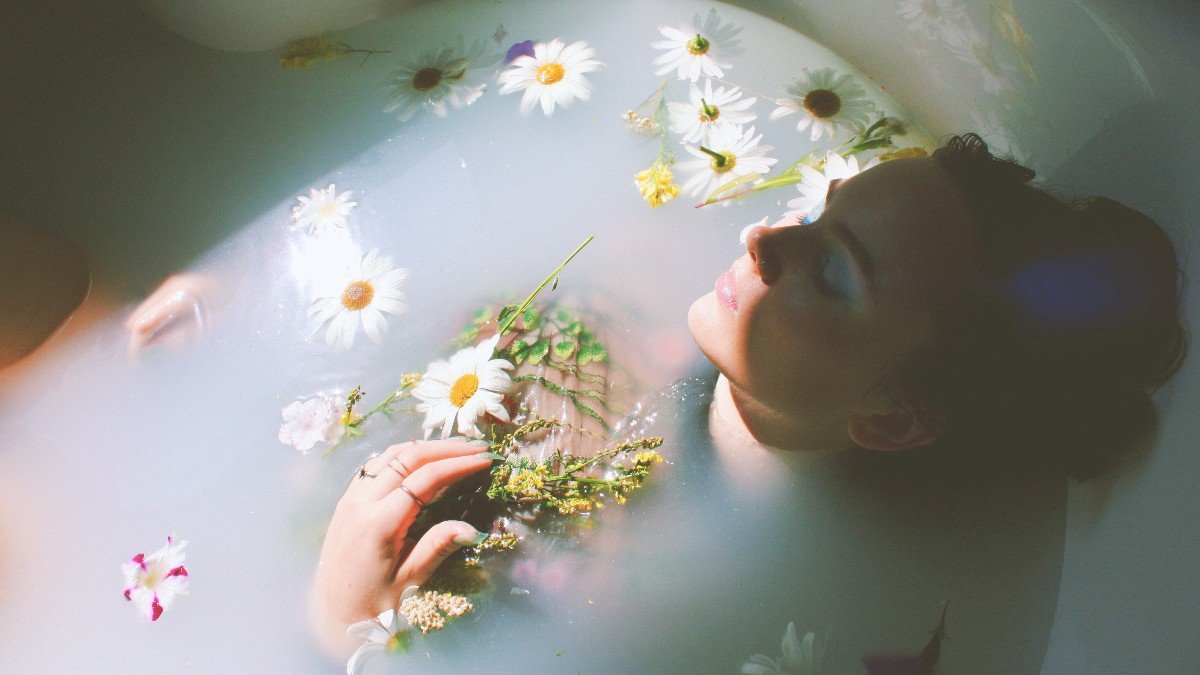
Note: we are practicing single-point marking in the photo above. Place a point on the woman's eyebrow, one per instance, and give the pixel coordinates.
(862, 258)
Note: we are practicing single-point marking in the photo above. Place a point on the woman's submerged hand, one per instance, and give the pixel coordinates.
(367, 561)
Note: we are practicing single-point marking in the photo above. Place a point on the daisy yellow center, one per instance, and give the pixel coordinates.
(725, 164)
(426, 79)
(550, 73)
(327, 209)
(709, 112)
(698, 45)
(358, 295)
(822, 103)
(464, 388)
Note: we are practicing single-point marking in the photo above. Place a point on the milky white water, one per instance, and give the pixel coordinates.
(107, 452)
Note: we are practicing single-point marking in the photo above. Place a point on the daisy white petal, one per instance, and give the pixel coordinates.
(552, 77)
(371, 290)
(456, 76)
(322, 210)
(815, 184)
(709, 112)
(826, 102)
(698, 49)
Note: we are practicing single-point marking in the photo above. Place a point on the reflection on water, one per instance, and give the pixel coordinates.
(108, 454)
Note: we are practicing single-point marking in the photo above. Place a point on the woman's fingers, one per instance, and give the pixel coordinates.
(399, 462)
(424, 485)
(432, 550)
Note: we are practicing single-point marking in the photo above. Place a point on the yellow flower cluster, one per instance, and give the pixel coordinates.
(431, 609)
(655, 184)
(529, 483)
(301, 53)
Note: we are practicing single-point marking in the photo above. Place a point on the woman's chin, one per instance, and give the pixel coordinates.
(704, 322)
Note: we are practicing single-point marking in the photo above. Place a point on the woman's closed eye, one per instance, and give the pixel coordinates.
(834, 273)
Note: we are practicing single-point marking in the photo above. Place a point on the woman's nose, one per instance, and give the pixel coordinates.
(763, 245)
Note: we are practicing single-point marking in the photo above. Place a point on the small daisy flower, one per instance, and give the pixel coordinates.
(153, 581)
(798, 656)
(454, 76)
(372, 290)
(826, 101)
(709, 112)
(388, 632)
(731, 156)
(322, 210)
(554, 75)
(464, 389)
(695, 50)
(312, 421)
(811, 202)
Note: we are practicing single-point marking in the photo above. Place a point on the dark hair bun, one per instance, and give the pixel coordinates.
(1047, 364)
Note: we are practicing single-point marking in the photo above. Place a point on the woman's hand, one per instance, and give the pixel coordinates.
(367, 562)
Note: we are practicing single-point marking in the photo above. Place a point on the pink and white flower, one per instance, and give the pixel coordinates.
(311, 421)
(153, 581)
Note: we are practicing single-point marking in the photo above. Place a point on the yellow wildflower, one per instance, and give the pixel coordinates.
(901, 153)
(655, 184)
(301, 53)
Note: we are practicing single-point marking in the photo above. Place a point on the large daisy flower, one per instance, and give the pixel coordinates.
(322, 210)
(553, 75)
(366, 294)
(153, 581)
(825, 101)
(695, 50)
(709, 112)
(811, 202)
(454, 76)
(731, 155)
(464, 389)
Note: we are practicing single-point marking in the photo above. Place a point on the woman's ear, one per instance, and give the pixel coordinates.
(889, 432)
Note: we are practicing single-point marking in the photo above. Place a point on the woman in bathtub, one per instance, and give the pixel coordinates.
(941, 317)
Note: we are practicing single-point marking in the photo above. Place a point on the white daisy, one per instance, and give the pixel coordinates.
(372, 289)
(811, 202)
(388, 632)
(449, 75)
(694, 50)
(553, 75)
(464, 389)
(731, 155)
(322, 210)
(153, 581)
(798, 656)
(826, 101)
(708, 112)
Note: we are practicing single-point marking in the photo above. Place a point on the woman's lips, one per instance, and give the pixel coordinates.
(727, 289)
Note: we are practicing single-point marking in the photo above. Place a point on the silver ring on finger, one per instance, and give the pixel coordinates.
(403, 474)
(412, 494)
(363, 473)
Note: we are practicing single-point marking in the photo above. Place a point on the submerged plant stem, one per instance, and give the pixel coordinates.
(545, 282)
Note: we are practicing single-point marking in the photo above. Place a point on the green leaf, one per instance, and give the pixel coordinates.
(564, 349)
(574, 328)
(593, 353)
(505, 313)
(740, 180)
(354, 431)
(562, 316)
(539, 350)
(554, 284)
(483, 316)
(532, 318)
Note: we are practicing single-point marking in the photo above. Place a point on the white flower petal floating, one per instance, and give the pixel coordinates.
(152, 582)
(739, 154)
(322, 210)
(464, 389)
(811, 203)
(696, 50)
(451, 77)
(553, 76)
(387, 632)
(825, 102)
(365, 296)
(709, 113)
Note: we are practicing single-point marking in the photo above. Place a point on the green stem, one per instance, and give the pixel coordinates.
(719, 158)
(545, 282)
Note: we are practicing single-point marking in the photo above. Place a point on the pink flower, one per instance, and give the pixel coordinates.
(316, 420)
(152, 581)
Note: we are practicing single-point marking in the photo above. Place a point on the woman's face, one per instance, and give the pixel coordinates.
(815, 316)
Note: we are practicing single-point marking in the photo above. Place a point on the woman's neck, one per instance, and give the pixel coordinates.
(742, 414)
